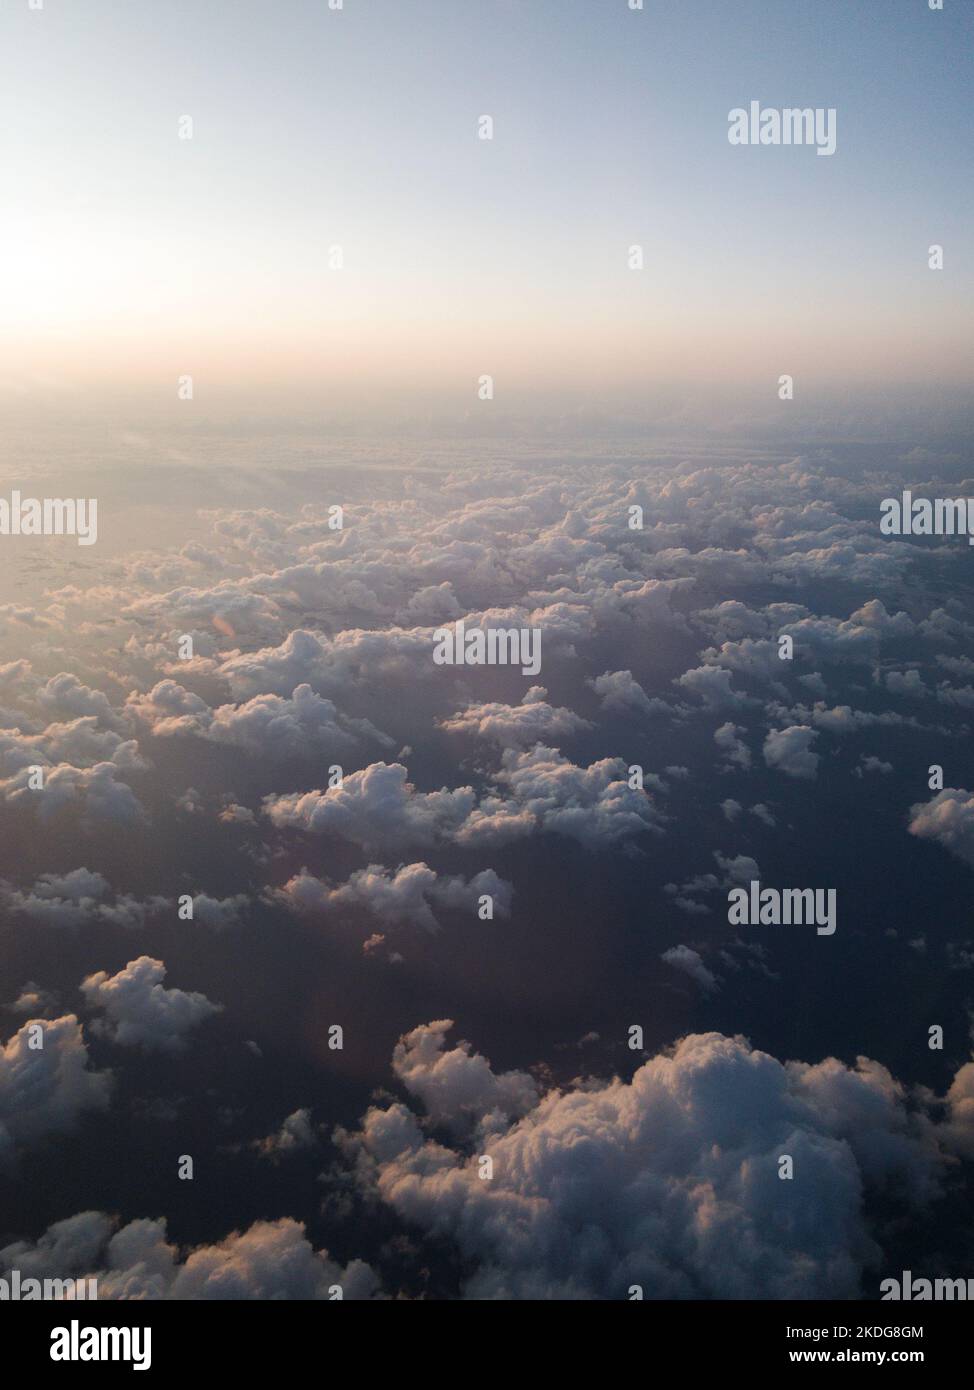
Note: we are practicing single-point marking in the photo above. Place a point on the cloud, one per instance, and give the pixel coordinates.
(906, 683)
(296, 1134)
(517, 726)
(947, 818)
(536, 790)
(376, 807)
(713, 685)
(80, 896)
(410, 894)
(619, 691)
(267, 725)
(95, 792)
(737, 870)
(691, 963)
(735, 751)
(352, 660)
(959, 695)
(457, 1088)
(270, 1260)
(65, 695)
(140, 1012)
(431, 606)
(543, 791)
(869, 763)
(669, 1181)
(79, 742)
(789, 751)
(34, 1002)
(310, 644)
(219, 913)
(875, 615)
(46, 1082)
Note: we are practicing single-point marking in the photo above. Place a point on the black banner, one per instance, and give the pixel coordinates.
(167, 1339)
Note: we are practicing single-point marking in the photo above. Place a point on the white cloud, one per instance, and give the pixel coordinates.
(77, 897)
(620, 691)
(735, 751)
(517, 726)
(140, 1012)
(376, 807)
(410, 894)
(690, 962)
(669, 1181)
(269, 1260)
(536, 790)
(789, 751)
(457, 1087)
(713, 685)
(46, 1082)
(295, 1135)
(265, 725)
(947, 818)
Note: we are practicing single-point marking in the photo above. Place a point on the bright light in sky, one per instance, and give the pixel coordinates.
(132, 253)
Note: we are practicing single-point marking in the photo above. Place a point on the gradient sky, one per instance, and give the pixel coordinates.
(131, 258)
(134, 256)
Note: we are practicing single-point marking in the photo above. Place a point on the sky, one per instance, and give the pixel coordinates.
(243, 805)
(138, 257)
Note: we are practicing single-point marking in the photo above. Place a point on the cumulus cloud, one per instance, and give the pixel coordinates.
(875, 615)
(620, 691)
(735, 869)
(80, 896)
(907, 683)
(270, 1260)
(95, 792)
(295, 1135)
(310, 644)
(410, 894)
(739, 868)
(712, 684)
(377, 807)
(736, 753)
(869, 763)
(265, 725)
(947, 818)
(457, 1087)
(536, 790)
(541, 790)
(669, 1181)
(219, 913)
(140, 1012)
(34, 1002)
(518, 726)
(339, 665)
(790, 751)
(959, 695)
(65, 695)
(690, 962)
(78, 742)
(46, 1082)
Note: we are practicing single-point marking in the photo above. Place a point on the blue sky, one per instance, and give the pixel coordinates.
(138, 251)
